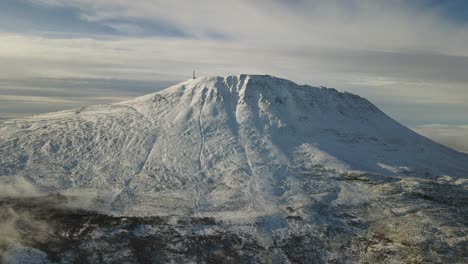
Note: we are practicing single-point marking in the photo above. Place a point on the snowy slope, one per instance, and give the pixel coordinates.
(237, 146)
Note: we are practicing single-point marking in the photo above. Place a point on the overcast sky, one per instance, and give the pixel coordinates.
(409, 57)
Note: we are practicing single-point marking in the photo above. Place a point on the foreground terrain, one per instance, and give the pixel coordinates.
(401, 221)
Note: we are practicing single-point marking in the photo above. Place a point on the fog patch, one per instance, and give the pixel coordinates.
(17, 231)
(17, 187)
(28, 218)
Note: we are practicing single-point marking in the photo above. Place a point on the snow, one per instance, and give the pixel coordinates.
(233, 147)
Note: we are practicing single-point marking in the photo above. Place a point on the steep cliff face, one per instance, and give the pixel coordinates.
(294, 172)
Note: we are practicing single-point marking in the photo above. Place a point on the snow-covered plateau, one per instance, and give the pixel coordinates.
(249, 168)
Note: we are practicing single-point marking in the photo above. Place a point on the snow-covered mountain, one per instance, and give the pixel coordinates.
(245, 148)
(214, 144)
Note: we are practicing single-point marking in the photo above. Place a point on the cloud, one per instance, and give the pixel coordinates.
(401, 51)
(453, 136)
(126, 28)
(364, 24)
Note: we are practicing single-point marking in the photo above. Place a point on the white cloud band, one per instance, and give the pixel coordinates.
(453, 136)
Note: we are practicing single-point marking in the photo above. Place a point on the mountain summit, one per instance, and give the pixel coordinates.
(238, 169)
(216, 145)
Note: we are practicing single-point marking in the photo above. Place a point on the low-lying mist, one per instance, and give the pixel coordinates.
(30, 217)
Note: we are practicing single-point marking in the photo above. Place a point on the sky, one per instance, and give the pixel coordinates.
(409, 57)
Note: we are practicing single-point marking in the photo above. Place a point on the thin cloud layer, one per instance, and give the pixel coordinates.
(455, 137)
(361, 24)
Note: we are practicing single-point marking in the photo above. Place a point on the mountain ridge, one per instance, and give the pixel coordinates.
(216, 144)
